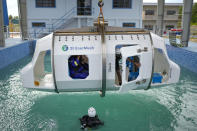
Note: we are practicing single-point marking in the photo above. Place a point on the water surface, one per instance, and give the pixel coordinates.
(166, 108)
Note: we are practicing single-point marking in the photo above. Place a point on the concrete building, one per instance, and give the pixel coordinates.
(171, 13)
(44, 16)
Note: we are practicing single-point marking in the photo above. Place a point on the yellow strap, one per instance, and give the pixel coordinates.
(100, 13)
(76, 63)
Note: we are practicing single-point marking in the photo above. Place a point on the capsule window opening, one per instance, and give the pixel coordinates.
(78, 66)
(47, 62)
(161, 68)
(132, 68)
(118, 65)
(43, 69)
(118, 68)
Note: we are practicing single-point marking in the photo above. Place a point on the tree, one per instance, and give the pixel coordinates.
(194, 13)
(16, 17)
(10, 17)
(180, 12)
(180, 17)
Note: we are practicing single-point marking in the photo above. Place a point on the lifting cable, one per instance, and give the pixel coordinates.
(100, 4)
(101, 25)
(101, 29)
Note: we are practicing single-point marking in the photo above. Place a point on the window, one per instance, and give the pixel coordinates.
(45, 3)
(171, 12)
(149, 12)
(78, 66)
(122, 3)
(133, 66)
(132, 25)
(38, 24)
(169, 27)
(148, 27)
(84, 7)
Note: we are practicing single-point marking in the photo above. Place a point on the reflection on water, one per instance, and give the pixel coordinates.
(172, 107)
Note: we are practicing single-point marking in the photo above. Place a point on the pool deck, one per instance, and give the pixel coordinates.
(16, 49)
(12, 42)
(192, 45)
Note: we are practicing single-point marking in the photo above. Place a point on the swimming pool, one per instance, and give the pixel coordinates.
(172, 107)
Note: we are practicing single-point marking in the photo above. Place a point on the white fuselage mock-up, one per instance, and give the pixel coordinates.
(133, 60)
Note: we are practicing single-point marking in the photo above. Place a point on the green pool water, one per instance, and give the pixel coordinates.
(166, 108)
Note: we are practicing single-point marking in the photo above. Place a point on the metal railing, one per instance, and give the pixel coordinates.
(58, 23)
(38, 32)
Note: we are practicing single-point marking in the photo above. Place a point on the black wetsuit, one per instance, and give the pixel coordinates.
(90, 122)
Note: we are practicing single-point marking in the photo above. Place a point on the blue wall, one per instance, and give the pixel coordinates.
(14, 53)
(183, 57)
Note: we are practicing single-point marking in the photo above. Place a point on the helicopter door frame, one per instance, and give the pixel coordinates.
(144, 77)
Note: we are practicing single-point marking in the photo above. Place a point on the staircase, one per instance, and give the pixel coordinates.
(55, 25)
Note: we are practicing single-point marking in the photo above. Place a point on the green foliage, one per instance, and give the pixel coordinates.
(180, 12)
(180, 17)
(194, 13)
(13, 17)
(10, 17)
(16, 17)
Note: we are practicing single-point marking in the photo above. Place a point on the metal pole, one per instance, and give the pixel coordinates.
(2, 39)
(160, 17)
(187, 11)
(22, 10)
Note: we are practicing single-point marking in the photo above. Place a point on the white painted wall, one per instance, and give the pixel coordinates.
(115, 16)
(118, 16)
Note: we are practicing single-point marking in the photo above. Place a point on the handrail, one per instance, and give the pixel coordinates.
(57, 23)
(67, 13)
(54, 25)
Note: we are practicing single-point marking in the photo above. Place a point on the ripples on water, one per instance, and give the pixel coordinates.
(171, 107)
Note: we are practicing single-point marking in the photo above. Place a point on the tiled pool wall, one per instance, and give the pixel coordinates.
(12, 54)
(181, 56)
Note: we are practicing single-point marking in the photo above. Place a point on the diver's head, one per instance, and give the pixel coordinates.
(91, 112)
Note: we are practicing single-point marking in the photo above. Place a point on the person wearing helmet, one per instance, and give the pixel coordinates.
(91, 120)
(133, 63)
(78, 69)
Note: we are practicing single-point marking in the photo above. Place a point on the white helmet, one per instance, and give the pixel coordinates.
(91, 112)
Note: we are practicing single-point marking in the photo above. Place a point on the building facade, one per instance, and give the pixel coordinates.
(171, 16)
(45, 16)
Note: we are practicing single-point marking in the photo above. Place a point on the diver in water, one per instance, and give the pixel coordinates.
(91, 120)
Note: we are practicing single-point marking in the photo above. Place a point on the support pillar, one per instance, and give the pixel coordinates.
(187, 12)
(2, 39)
(160, 17)
(22, 10)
